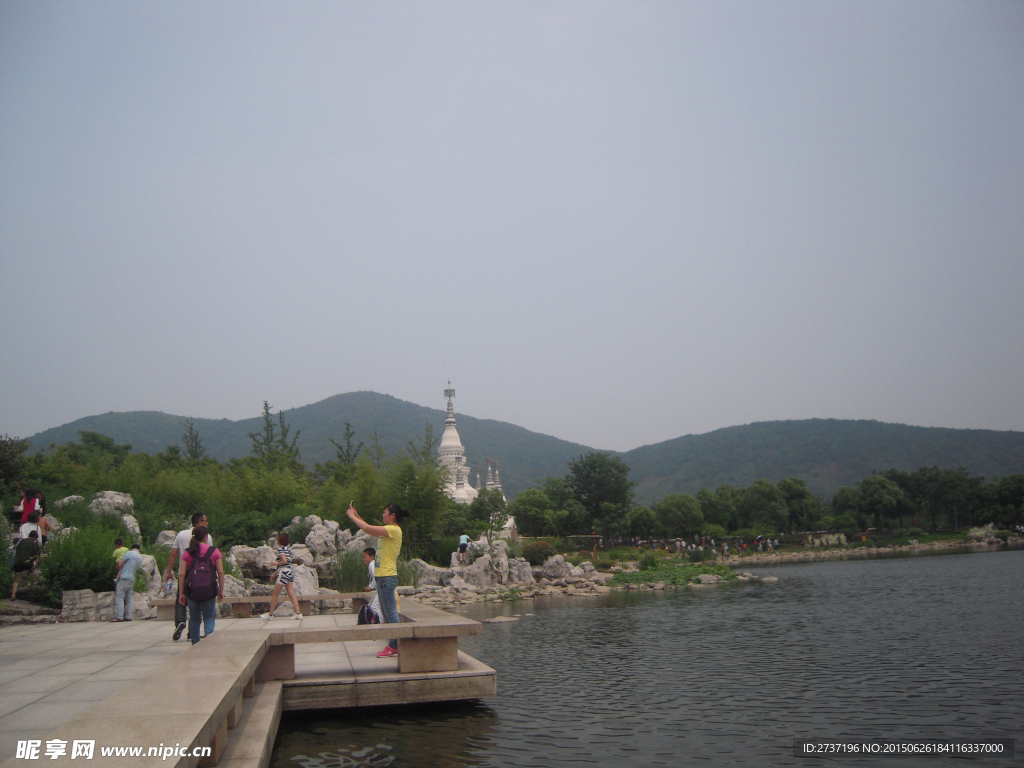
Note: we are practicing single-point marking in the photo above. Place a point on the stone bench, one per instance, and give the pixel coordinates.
(428, 641)
(241, 607)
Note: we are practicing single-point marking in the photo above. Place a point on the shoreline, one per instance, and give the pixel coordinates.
(957, 546)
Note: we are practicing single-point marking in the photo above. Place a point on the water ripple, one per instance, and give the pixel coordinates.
(901, 648)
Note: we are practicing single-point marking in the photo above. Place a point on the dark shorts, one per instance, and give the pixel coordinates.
(22, 567)
(462, 547)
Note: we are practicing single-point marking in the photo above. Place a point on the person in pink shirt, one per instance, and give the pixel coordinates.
(200, 583)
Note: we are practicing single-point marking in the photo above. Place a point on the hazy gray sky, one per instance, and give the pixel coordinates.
(616, 223)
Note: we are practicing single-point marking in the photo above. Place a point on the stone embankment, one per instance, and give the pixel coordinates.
(979, 539)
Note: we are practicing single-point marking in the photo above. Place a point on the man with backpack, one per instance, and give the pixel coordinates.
(181, 543)
(200, 583)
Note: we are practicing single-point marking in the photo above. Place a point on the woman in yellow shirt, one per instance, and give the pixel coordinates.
(389, 543)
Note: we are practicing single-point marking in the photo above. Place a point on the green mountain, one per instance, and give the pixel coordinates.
(826, 453)
(523, 456)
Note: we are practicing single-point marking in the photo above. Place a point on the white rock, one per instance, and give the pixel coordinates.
(429, 575)
(166, 538)
(133, 527)
(111, 502)
(306, 581)
(312, 520)
(322, 541)
(555, 567)
(332, 524)
(520, 571)
(67, 500)
(154, 578)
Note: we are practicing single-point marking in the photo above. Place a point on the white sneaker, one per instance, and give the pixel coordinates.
(297, 617)
(264, 615)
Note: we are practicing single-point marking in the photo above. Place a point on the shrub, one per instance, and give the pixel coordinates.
(648, 561)
(536, 552)
(1004, 535)
(603, 565)
(699, 556)
(350, 574)
(82, 560)
(439, 552)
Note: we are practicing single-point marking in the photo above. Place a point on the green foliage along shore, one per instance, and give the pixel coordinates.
(247, 498)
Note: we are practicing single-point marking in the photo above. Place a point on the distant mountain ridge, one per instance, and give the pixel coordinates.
(826, 453)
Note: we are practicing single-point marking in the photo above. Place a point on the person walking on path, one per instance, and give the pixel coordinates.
(124, 594)
(284, 577)
(200, 583)
(181, 543)
(26, 557)
(389, 538)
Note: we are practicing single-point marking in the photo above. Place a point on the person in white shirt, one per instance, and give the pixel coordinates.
(181, 543)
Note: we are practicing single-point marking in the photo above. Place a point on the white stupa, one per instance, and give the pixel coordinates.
(452, 456)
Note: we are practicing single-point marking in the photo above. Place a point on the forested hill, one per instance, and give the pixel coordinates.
(826, 453)
(522, 455)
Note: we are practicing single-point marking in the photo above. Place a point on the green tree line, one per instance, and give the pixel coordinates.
(596, 496)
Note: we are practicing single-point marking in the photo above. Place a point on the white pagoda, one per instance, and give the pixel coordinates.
(452, 456)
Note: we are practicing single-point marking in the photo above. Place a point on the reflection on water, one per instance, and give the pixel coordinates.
(897, 648)
(445, 736)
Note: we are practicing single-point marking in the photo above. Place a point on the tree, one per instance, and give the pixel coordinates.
(343, 466)
(489, 507)
(640, 521)
(12, 463)
(95, 446)
(680, 514)
(878, 497)
(194, 449)
(719, 508)
(378, 450)
(764, 507)
(271, 447)
(600, 478)
(422, 448)
(533, 513)
(803, 508)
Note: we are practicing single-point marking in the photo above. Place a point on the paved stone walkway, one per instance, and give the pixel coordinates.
(51, 673)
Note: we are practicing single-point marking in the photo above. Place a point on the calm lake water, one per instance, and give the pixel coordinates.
(903, 648)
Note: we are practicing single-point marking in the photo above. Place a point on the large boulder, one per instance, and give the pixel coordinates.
(361, 541)
(333, 525)
(154, 578)
(265, 564)
(344, 536)
(301, 551)
(61, 503)
(520, 571)
(165, 538)
(306, 581)
(322, 542)
(429, 575)
(55, 524)
(555, 567)
(499, 548)
(480, 573)
(133, 527)
(311, 521)
(232, 588)
(243, 559)
(477, 548)
(111, 503)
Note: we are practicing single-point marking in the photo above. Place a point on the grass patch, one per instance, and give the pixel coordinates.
(672, 574)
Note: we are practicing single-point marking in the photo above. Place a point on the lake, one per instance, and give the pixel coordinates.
(901, 648)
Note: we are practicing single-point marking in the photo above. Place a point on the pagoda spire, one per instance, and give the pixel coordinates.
(450, 393)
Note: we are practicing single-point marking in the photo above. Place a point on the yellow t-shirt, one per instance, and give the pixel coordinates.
(389, 546)
(119, 553)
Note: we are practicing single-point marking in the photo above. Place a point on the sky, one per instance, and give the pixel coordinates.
(615, 223)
